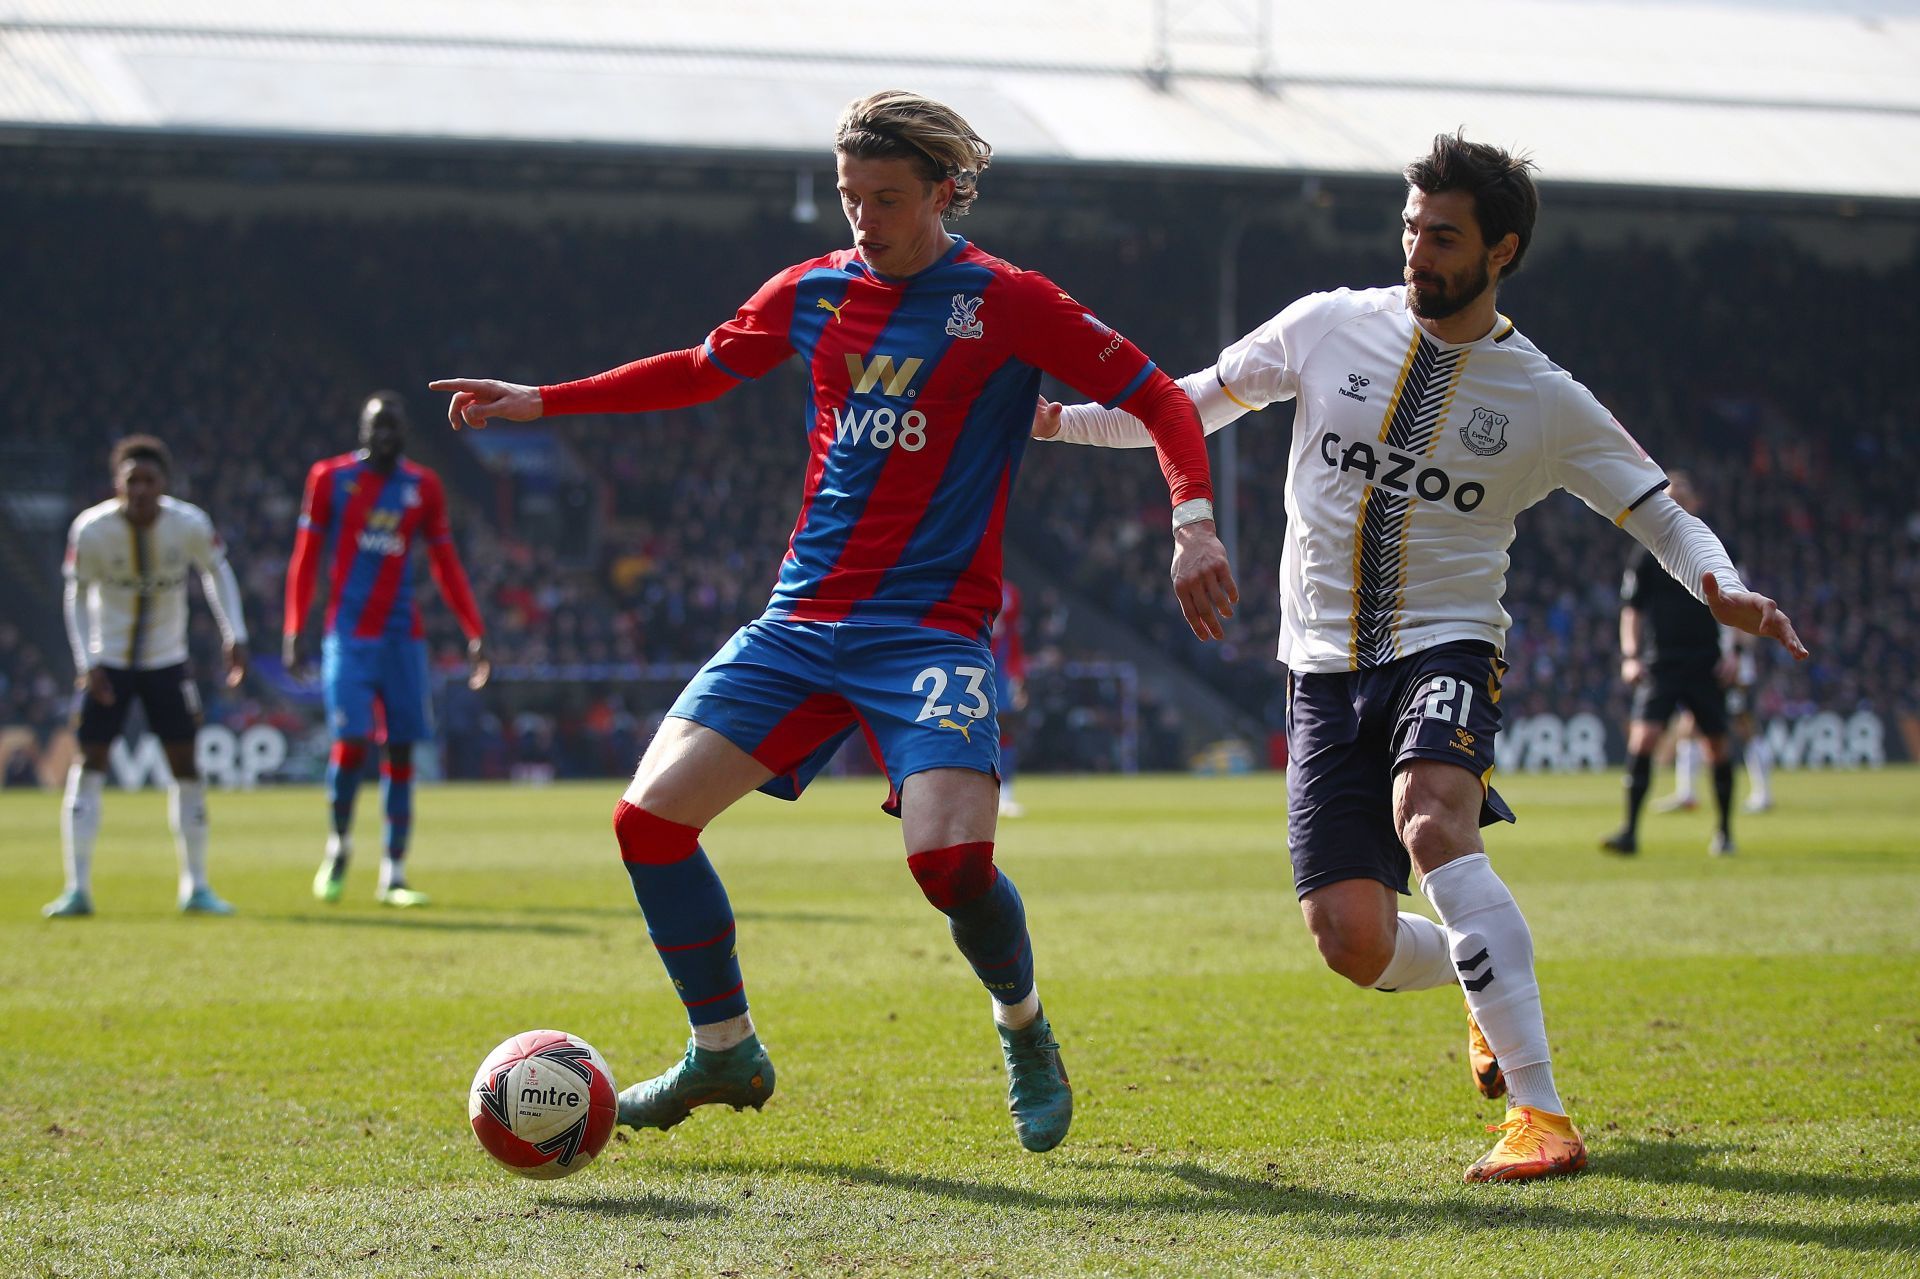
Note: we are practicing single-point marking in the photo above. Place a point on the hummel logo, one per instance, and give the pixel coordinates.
(1465, 741)
(1475, 984)
(1355, 384)
(966, 730)
(825, 305)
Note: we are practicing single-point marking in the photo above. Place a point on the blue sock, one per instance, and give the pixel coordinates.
(399, 805)
(688, 915)
(991, 932)
(344, 764)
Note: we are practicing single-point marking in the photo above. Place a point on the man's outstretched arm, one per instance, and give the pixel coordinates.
(1688, 549)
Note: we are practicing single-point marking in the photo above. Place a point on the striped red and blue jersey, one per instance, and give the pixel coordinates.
(368, 520)
(920, 399)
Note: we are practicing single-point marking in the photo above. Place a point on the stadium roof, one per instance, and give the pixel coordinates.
(1782, 97)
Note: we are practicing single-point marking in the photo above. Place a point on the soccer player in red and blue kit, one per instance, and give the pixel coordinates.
(924, 356)
(367, 508)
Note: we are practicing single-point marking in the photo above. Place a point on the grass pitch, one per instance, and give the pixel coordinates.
(283, 1093)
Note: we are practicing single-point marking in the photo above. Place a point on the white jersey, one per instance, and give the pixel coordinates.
(1410, 460)
(126, 594)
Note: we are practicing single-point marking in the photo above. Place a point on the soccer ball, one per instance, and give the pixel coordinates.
(542, 1104)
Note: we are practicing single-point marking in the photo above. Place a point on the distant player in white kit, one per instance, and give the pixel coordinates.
(1425, 424)
(126, 610)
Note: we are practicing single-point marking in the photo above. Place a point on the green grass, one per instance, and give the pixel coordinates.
(284, 1092)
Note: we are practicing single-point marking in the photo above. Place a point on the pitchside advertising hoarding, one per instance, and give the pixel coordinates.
(1530, 744)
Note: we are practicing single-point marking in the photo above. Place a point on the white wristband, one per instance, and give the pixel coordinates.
(1192, 511)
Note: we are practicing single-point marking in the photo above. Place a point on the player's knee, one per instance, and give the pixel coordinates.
(349, 753)
(954, 877)
(1354, 950)
(650, 840)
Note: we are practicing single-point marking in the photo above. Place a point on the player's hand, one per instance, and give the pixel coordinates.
(1046, 419)
(1753, 613)
(236, 655)
(99, 687)
(1632, 670)
(290, 655)
(480, 666)
(1019, 690)
(1203, 579)
(477, 399)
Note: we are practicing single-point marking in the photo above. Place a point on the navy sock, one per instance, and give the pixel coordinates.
(1723, 794)
(1639, 780)
(991, 932)
(344, 765)
(399, 806)
(688, 915)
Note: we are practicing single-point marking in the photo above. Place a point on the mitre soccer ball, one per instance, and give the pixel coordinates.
(542, 1104)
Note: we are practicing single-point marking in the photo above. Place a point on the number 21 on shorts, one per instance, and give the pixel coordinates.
(1440, 699)
(933, 681)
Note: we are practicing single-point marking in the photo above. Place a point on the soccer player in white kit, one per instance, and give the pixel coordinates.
(1425, 423)
(126, 609)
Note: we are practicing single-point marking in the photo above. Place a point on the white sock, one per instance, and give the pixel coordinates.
(1017, 1016)
(392, 872)
(1759, 771)
(187, 814)
(1420, 959)
(80, 825)
(1532, 1081)
(1686, 766)
(719, 1036)
(1493, 953)
(339, 847)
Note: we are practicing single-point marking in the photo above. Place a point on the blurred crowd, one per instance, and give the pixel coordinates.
(248, 344)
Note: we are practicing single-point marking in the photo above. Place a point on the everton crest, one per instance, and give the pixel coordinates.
(1485, 432)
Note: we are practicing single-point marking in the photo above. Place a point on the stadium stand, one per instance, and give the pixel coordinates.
(247, 341)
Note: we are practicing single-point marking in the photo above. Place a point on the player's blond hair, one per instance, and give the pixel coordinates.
(897, 125)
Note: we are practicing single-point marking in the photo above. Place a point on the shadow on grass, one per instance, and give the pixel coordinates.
(1683, 1163)
(629, 911)
(651, 1206)
(1339, 1214)
(414, 922)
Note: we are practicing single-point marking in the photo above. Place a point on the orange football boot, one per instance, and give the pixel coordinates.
(1533, 1143)
(1485, 1066)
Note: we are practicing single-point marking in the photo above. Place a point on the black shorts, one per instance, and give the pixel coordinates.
(1349, 732)
(1694, 686)
(171, 699)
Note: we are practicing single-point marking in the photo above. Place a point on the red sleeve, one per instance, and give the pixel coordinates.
(754, 341)
(670, 381)
(303, 570)
(1177, 434)
(444, 560)
(1061, 337)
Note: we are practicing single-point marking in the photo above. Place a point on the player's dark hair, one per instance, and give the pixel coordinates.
(1504, 197)
(896, 125)
(391, 405)
(141, 448)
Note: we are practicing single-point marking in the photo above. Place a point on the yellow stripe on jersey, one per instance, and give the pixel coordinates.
(1236, 399)
(1406, 519)
(1360, 516)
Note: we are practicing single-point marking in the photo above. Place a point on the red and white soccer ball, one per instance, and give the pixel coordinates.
(543, 1104)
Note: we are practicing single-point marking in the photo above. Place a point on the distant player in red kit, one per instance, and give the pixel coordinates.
(367, 508)
(1010, 689)
(923, 357)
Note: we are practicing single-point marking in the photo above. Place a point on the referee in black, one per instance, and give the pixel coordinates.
(1670, 653)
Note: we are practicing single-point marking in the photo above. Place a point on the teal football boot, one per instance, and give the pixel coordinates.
(202, 901)
(739, 1076)
(75, 904)
(1038, 1093)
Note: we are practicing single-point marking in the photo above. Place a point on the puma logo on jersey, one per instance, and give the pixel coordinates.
(825, 305)
(965, 730)
(865, 375)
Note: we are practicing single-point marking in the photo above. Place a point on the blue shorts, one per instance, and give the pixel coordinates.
(390, 672)
(1349, 732)
(789, 693)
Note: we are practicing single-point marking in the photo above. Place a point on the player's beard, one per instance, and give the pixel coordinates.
(1436, 297)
